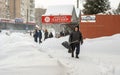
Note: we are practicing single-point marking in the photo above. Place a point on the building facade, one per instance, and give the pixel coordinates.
(23, 9)
(4, 13)
(59, 19)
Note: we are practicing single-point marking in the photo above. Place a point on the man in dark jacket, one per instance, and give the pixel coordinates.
(35, 35)
(75, 40)
(40, 36)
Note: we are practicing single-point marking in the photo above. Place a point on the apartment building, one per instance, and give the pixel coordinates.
(3, 9)
(23, 9)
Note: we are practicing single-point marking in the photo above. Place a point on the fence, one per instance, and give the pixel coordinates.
(101, 25)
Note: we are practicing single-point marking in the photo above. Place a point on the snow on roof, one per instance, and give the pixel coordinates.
(59, 10)
(78, 12)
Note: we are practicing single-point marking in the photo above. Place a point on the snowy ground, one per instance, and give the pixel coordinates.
(20, 55)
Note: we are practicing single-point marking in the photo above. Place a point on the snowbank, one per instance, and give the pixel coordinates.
(20, 55)
(99, 56)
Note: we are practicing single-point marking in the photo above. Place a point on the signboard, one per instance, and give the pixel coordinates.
(4, 20)
(18, 20)
(88, 18)
(56, 19)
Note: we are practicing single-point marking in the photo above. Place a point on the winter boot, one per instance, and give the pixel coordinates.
(77, 56)
(72, 54)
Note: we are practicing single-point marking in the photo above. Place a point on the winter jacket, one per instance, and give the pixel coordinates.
(46, 35)
(76, 37)
(35, 34)
(50, 35)
(40, 34)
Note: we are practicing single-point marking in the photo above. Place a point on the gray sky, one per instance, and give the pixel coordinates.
(46, 3)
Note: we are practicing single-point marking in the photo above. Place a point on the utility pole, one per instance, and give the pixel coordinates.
(78, 18)
(14, 9)
(27, 10)
(77, 3)
(27, 15)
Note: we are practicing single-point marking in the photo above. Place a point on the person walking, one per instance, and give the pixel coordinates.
(40, 36)
(50, 35)
(35, 35)
(46, 34)
(75, 40)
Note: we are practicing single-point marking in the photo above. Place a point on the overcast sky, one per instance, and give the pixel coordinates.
(46, 3)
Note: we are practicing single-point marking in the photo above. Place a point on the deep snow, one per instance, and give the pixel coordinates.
(20, 55)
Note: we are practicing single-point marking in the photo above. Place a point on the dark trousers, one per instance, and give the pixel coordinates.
(76, 47)
(35, 39)
(40, 40)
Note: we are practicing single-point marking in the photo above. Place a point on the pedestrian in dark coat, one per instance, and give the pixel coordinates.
(40, 36)
(35, 35)
(50, 35)
(75, 40)
(46, 34)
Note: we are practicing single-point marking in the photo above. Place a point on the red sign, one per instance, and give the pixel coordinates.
(56, 19)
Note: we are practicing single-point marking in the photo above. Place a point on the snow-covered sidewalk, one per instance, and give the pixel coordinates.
(99, 56)
(20, 55)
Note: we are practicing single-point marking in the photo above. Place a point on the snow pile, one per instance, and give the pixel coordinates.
(99, 56)
(104, 45)
(20, 55)
(78, 12)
